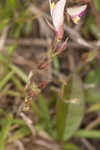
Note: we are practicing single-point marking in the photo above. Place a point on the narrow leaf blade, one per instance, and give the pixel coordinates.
(69, 115)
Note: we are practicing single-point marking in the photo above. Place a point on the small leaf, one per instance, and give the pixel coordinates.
(68, 114)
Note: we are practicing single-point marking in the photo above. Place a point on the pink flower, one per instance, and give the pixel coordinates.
(76, 12)
(57, 13)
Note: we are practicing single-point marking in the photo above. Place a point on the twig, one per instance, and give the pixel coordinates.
(87, 144)
(93, 124)
(43, 43)
(28, 122)
(19, 144)
(3, 36)
(28, 42)
(76, 37)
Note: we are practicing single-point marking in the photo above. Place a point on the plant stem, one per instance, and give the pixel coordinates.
(95, 12)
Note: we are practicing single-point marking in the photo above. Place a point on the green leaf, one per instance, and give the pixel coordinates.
(95, 107)
(20, 133)
(88, 133)
(3, 23)
(6, 79)
(93, 93)
(56, 63)
(36, 108)
(97, 4)
(3, 59)
(11, 49)
(18, 84)
(10, 92)
(45, 118)
(5, 130)
(43, 107)
(71, 146)
(68, 114)
(18, 121)
(19, 72)
(2, 111)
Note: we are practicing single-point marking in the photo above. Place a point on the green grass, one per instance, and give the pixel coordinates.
(60, 115)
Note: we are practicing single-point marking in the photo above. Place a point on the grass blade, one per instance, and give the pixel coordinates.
(4, 131)
(88, 133)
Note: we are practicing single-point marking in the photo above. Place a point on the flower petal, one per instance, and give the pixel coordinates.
(76, 12)
(52, 4)
(58, 14)
(76, 19)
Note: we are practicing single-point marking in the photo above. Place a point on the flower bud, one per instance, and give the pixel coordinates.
(57, 13)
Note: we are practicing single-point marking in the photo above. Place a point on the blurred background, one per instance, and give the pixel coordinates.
(65, 114)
